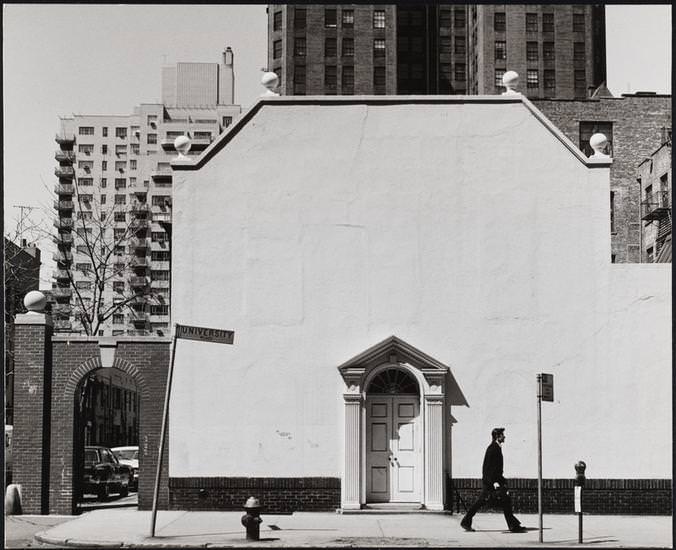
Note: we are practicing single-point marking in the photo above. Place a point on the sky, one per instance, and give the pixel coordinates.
(60, 60)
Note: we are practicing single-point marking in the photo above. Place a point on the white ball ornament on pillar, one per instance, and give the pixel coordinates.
(269, 81)
(182, 145)
(598, 143)
(35, 302)
(510, 81)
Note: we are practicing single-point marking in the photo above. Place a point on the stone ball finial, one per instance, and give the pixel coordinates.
(35, 301)
(598, 143)
(510, 80)
(270, 81)
(182, 145)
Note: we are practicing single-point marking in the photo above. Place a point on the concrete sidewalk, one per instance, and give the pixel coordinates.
(131, 528)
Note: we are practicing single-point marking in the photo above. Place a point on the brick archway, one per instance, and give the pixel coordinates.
(94, 363)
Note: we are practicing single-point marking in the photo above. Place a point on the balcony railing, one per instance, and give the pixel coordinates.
(138, 243)
(159, 318)
(200, 143)
(162, 217)
(138, 223)
(64, 156)
(63, 205)
(159, 284)
(63, 239)
(162, 174)
(64, 172)
(64, 137)
(63, 223)
(64, 189)
(61, 275)
(140, 207)
(138, 261)
(656, 206)
(62, 292)
(62, 256)
(161, 265)
(136, 282)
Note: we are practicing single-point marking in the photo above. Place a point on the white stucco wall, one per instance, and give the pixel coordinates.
(467, 230)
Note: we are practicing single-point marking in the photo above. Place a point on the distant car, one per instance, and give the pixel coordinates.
(104, 474)
(129, 456)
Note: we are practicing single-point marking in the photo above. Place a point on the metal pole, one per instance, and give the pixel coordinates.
(579, 530)
(164, 429)
(539, 378)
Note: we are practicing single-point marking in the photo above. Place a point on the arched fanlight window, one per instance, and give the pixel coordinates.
(393, 381)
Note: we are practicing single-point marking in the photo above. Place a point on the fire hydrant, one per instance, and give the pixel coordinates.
(252, 519)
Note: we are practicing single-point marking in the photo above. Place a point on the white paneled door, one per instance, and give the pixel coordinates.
(393, 448)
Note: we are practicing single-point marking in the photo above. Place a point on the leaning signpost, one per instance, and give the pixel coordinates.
(545, 393)
(185, 332)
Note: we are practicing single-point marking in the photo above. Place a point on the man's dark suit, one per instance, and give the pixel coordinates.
(492, 473)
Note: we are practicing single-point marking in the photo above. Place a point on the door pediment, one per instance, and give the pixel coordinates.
(396, 350)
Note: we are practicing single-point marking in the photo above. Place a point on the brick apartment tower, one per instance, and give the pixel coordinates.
(122, 162)
(436, 48)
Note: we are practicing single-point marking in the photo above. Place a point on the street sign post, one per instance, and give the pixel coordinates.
(545, 393)
(184, 332)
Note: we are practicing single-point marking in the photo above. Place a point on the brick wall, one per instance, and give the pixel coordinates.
(277, 495)
(599, 496)
(637, 132)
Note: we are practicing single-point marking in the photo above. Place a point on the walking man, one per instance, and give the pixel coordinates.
(494, 486)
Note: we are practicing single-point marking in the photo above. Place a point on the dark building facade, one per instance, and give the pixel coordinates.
(426, 48)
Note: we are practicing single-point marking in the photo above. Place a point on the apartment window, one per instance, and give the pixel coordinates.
(152, 120)
(300, 18)
(299, 80)
(445, 44)
(121, 150)
(158, 236)
(578, 53)
(119, 233)
(445, 76)
(104, 131)
(102, 199)
(330, 18)
(85, 182)
(550, 82)
(278, 72)
(547, 22)
(498, 78)
(121, 132)
(330, 47)
(120, 199)
(84, 215)
(104, 149)
(444, 18)
(159, 310)
(588, 129)
(460, 45)
(132, 164)
(152, 139)
(104, 182)
(86, 198)
(159, 275)
(277, 49)
(578, 22)
(379, 47)
(532, 51)
(118, 319)
(299, 46)
(86, 130)
(160, 256)
(86, 149)
(459, 18)
(580, 82)
(330, 79)
(460, 72)
(379, 19)
(348, 47)
(161, 200)
(120, 183)
(84, 267)
(227, 120)
(499, 21)
(348, 19)
(379, 80)
(531, 22)
(120, 165)
(85, 165)
(104, 165)
(120, 216)
(135, 148)
(83, 285)
(532, 80)
(347, 84)
(200, 135)
(82, 249)
(500, 50)
(277, 21)
(548, 51)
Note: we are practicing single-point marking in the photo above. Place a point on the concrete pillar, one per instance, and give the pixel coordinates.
(351, 485)
(434, 452)
(32, 409)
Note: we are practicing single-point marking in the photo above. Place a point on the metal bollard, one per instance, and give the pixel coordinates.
(580, 467)
(252, 519)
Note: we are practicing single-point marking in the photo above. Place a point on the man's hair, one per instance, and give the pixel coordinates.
(496, 432)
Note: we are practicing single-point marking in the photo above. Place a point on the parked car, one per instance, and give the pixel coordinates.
(104, 474)
(129, 456)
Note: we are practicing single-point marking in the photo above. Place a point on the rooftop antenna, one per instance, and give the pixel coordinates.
(23, 216)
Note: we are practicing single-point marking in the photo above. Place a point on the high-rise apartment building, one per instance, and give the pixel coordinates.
(436, 48)
(114, 201)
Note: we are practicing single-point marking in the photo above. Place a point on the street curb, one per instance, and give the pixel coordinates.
(42, 537)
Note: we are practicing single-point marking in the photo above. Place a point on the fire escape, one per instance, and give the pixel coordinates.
(656, 207)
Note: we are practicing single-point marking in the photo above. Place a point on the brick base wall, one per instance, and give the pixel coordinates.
(599, 496)
(276, 495)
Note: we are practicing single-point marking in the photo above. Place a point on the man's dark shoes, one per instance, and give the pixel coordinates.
(519, 529)
(466, 527)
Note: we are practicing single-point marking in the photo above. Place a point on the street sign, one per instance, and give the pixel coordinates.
(202, 334)
(578, 500)
(547, 387)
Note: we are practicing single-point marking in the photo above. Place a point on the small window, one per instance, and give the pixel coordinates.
(531, 22)
(459, 19)
(578, 22)
(133, 164)
(120, 199)
(300, 18)
(120, 183)
(578, 51)
(277, 49)
(104, 131)
(121, 133)
(550, 82)
(548, 51)
(85, 182)
(227, 121)
(120, 216)
(379, 19)
(460, 45)
(460, 72)
(152, 120)
(379, 47)
(330, 79)
(445, 44)
(348, 47)
(152, 139)
(379, 80)
(299, 46)
(330, 47)
(86, 130)
(118, 319)
(499, 21)
(532, 51)
(348, 19)
(102, 199)
(277, 21)
(299, 80)
(499, 73)
(547, 22)
(104, 182)
(330, 18)
(532, 80)
(348, 80)
(104, 165)
(444, 18)
(500, 50)
(104, 149)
